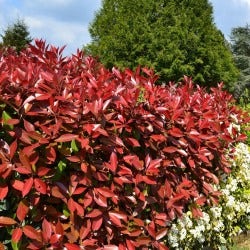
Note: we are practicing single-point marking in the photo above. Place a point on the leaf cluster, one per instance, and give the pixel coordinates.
(99, 159)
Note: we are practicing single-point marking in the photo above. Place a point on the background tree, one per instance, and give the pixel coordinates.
(16, 35)
(240, 45)
(173, 37)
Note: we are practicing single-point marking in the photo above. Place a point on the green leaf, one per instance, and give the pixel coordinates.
(66, 211)
(5, 118)
(73, 145)
(15, 245)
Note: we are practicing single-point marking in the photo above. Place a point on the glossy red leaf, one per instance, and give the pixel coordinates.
(70, 246)
(170, 149)
(40, 186)
(94, 213)
(116, 218)
(32, 233)
(23, 170)
(85, 230)
(101, 200)
(7, 221)
(47, 76)
(16, 235)
(13, 148)
(176, 132)
(28, 183)
(151, 229)
(50, 154)
(55, 239)
(46, 230)
(24, 159)
(22, 210)
(105, 192)
(133, 142)
(18, 185)
(196, 212)
(161, 233)
(43, 171)
(110, 247)
(130, 244)
(28, 126)
(66, 138)
(3, 191)
(97, 223)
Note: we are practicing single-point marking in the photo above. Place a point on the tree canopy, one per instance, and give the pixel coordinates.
(173, 37)
(240, 45)
(16, 35)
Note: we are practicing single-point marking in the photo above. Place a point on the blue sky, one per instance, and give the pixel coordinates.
(65, 22)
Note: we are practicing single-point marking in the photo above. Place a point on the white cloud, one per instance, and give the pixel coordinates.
(59, 22)
(245, 2)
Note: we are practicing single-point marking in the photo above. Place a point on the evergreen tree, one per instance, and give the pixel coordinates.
(16, 35)
(240, 45)
(173, 37)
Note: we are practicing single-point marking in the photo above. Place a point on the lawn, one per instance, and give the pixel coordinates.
(242, 242)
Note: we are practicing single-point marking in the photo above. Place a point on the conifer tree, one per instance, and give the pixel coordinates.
(16, 35)
(175, 38)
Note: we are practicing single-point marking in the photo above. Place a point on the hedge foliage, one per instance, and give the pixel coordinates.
(99, 159)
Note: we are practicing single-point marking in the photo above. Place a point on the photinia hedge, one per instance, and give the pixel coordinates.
(98, 159)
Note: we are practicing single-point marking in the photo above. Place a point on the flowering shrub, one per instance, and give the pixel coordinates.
(219, 223)
(93, 159)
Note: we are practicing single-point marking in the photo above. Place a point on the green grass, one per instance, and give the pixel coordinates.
(242, 242)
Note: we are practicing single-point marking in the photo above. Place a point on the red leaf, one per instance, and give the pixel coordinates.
(46, 230)
(176, 132)
(22, 210)
(110, 247)
(196, 212)
(158, 138)
(101, 200)
(40, 186)
(32, 233)
(18, 185)
(24, 159)
(59, 228)
(16, 235)
(66, 138)
(116, 218)
(28, 126)
(28, 183)
(105, 192)
(160, 234)
(3, 191)
(130, 244)
(151, 229)
(113, 162)
(54, 239)
(70, 246)
(7, 221)
(201, 200)
(47, 76)
(13, 148)
(84, 231)
(42, 171)
(23, 170)
(94, 213)
(97, 223)
(50, 154)
(71, 205)
(133, 142)
(170, 149)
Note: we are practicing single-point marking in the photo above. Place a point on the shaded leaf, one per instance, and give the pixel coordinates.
(7, 221)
